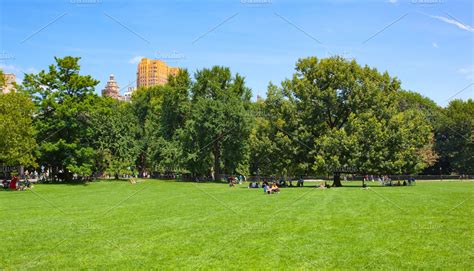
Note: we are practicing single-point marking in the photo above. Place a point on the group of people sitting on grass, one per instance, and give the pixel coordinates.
(236, 180)
(278, 182)
(323, 185)
(274, 188)
(16, 184)
(387, 181)
(397, 183)
(270, 189)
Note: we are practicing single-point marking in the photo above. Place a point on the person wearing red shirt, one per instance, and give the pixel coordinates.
(13, 183)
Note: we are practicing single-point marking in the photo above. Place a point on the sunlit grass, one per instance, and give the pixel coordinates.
(164, 224)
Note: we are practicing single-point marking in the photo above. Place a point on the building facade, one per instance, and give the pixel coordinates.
(112, 89)
(10, 80)
(153, 72)
(127, 96)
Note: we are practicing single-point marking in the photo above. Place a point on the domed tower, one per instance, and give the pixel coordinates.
(111, 89)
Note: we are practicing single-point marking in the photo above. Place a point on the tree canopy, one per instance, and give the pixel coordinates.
(332, 116)
(17, 134)
(63, 100)
(455, 137)
(340, 115)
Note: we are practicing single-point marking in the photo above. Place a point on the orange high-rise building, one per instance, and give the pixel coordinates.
(153, 72)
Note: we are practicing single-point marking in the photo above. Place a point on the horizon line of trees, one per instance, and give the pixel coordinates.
(332, 114)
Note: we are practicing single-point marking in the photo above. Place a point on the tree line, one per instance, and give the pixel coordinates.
(331, 115)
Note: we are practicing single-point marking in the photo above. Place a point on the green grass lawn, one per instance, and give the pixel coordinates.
(165, 224)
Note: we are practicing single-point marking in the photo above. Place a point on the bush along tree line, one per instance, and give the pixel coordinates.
(331, 115)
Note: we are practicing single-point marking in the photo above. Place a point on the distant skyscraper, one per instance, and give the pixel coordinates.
(112, 89)
(153, 72)
(10, 80)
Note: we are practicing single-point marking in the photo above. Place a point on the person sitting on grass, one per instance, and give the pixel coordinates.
(322, 186)
(13, 183)
(268, 189)
(275, 188)
(27, 184)
(253, 185)
(21, 186)
(300, 182)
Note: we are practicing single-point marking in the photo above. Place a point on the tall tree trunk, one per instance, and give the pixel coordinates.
(216, 151)
(337, 179)
(141, 165)
(54, 174)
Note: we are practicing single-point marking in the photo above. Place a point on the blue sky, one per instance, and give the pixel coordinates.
(427, 44)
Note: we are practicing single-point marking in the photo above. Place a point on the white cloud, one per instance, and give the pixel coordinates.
(392, 1)
(10, 68)
(18, 71)
(435, 45)
(454, 22)
(468, 72)
(135, 60)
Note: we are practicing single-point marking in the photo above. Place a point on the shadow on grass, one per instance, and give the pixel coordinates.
(8, 190)
(47, 183)
(340, 187)
(85, 183)
(64, 183)
(111, 180)
(189, 181)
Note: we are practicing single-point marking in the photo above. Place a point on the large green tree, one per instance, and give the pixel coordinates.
(349, 116)
(142, 108)
(171, 108)
(216, 133)
(432, 113)
(162, 112)
(275, 144)
(63, 100)
(17, 134)
(455, 138)
(115, 132)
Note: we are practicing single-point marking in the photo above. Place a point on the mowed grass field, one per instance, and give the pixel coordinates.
(166, 224)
